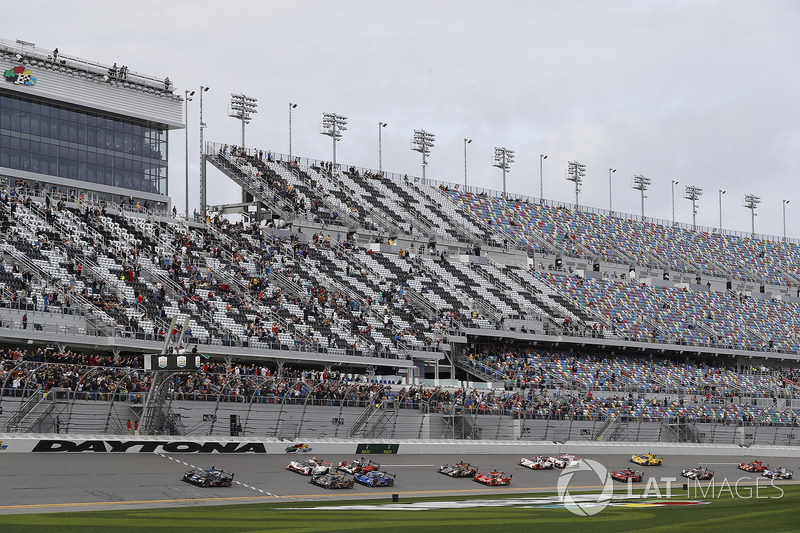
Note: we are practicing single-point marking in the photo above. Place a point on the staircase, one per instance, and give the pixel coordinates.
(34, 415)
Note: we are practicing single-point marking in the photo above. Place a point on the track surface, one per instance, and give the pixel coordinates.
(35, 483)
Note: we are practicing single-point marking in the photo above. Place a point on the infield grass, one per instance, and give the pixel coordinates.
(724, 513)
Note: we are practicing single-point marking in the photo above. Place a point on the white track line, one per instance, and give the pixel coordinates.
(237, 482)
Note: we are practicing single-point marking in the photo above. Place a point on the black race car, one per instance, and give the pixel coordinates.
(461, 469)
(209, 477)
(333, 480)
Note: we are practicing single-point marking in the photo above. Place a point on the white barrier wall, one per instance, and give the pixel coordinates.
(140, 444)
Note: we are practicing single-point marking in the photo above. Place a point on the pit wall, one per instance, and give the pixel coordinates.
(66, 444)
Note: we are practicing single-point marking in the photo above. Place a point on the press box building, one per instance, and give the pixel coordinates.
(79, 127)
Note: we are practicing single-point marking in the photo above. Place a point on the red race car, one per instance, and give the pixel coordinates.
(753, 466)
(627, 475)
(358, 466)
(493, 478)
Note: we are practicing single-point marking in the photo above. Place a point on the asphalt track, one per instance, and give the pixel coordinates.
(59, 482)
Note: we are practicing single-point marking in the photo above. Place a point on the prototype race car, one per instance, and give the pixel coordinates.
(647, 459)
(627, 475)
(778, 473)
(461, 469)
(698, 473)
(333, 480)
(564, 460)
(310, 467)
(357, 466)
(209, 477)
(493, 478)
(753, 466)
(376, 478)
(537, 463)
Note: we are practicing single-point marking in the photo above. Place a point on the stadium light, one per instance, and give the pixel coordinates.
(721, 192)
(641, 183)
(610, 172)
(674, 183)
(575, 173)
(542, 157)
(242, 108)
(187, 97)
(693, 193)
(333, 125)
(503, 157)
(751, 202)
(466, 142)
(784, 219)
(422, 143)
(291, 106)
(381, 125)
(202, 157)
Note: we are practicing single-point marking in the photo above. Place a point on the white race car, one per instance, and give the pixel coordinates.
(564, 460)
(311, 467)
(778, 473)
(537, 463)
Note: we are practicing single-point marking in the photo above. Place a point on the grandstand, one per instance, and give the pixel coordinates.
(397, 306)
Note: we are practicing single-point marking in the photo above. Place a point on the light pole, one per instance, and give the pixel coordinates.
(242, 108)
(542, 157)
(466, 142)
(690, 192)
(333, 125)
(674, 183)
(641, 183)
(422, 143)
(202, 157)
(291, 106)
(610, 171)
(751, 202)
(187, 97)
(721, 192)
(381, 125)
(575, 173)
(503, 157)
(784, 219)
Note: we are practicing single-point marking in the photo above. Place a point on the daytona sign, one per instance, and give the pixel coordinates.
(147, 446)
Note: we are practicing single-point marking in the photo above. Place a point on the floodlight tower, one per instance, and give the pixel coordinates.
(333, 125)
(466, 142)
(641, 183)
(381, 125)
(503, 157)
(784, 219)
(575, 173)
(721, 192)
(242, 108)
(187, 97)
(690, 192)
(674, 183)
(542, 157)
(610, 172)
(422, 143)
(751, 202)
(202, 157)
(292, 105)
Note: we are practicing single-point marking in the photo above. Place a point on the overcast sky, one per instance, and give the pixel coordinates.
(703, 92)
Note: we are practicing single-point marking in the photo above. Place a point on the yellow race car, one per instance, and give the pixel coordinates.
(647, 459)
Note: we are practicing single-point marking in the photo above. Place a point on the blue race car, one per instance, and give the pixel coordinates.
(376, 478)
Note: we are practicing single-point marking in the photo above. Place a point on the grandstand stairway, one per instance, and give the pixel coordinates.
(36, 415)
(460, 425)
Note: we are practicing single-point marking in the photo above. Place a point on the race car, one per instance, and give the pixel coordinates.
(537, 463)
(209, 477)
(310, 467)
(333, 480)
(376, 478)
(647, 459)
(753, 466)
(778, 473)
(564, 460)
(358, 466)
(493, 478)
(627, 475)
(461, 469)
(698, 473)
